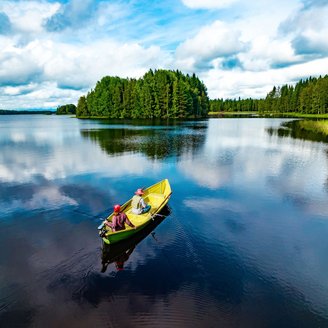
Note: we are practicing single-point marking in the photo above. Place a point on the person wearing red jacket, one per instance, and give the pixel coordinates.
(119, 219)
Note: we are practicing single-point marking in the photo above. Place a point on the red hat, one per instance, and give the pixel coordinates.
(139, 192)
(119, 266)
(117, 208)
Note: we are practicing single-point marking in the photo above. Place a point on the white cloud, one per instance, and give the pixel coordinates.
(265, 53)
(241, 51)
(52, 65)
(216, 40)
(18, 66)
(108, 12)
(256, 84)
(308, 29)
(207, 4)
(28, 16)
(18, 90)
(42, 95)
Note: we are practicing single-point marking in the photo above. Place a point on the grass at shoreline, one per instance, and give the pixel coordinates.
(299, 115)
(271, 114)
(315, 126)
(232, 113)
(316, 123)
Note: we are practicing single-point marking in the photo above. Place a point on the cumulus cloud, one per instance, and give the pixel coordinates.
(18, 66)
(217, 40)
(37, 95)
(26, 17)
(64, 67)
(73, 14)
(256, 84)
(68, 66)
(279, 48)
(308, 28)
(264, 45)
(266, 53)
(207, 4)
(19, 90)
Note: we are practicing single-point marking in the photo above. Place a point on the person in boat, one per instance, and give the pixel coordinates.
(119, 219)
(138, 204)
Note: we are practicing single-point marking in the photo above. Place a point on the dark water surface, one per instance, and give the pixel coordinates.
(244, 242)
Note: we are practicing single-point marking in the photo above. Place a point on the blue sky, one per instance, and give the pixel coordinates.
(52, 52)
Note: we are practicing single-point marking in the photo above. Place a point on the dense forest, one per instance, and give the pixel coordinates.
(235, 105)
(308, 96)
(158, 94)
(66, 109)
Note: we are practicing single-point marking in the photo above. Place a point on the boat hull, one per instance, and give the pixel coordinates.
(156, 196)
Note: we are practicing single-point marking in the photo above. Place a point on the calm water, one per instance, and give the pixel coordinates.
(244, 242)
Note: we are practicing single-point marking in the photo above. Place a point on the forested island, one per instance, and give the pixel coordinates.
(158, 94)
(171, 94)
(309, 96)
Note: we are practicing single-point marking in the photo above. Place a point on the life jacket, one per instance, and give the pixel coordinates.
(136, 202)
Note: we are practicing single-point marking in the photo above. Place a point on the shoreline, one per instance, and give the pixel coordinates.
(270, 114)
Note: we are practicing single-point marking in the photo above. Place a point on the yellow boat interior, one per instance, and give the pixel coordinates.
(156, 196)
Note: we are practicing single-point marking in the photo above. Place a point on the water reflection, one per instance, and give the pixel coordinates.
(119, 253)
(294, 130)
(157, 142)
(247, 237)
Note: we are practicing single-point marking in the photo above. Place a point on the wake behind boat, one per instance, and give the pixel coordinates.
(156, 196)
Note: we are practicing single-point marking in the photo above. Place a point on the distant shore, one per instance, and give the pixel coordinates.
(269, 114)
(25, 112)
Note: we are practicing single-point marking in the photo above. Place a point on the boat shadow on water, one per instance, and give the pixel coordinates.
(120, 252)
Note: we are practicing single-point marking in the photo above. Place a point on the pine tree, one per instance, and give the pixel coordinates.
(82, 108)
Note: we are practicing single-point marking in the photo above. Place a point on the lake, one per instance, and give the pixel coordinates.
(243, 242)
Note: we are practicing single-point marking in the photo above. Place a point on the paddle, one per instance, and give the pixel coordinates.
(162, 216)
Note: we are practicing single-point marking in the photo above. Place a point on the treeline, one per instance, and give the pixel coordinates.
(158, 94)
(66, 109)
(309, 96)
(24, 112)
(234, 105)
